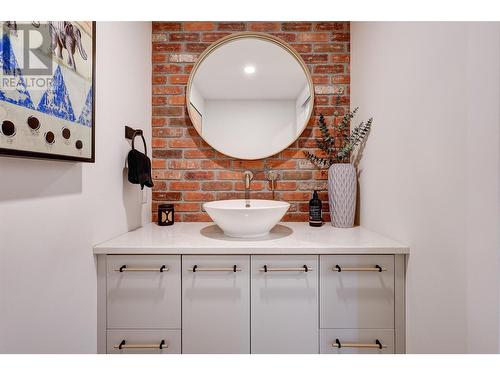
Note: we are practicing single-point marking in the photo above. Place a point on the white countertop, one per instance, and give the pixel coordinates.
(285, 238)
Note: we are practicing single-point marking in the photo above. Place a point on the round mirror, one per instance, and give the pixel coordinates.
(250, 95)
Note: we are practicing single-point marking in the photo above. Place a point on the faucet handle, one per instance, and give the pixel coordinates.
(249, 174)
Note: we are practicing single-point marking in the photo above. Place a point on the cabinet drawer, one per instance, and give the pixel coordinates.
(141, 296)
(284, 304)
(357, 341)
(144, 342)
(358, 295)
(216, 304)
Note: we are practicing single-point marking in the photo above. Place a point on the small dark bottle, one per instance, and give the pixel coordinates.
(315, 219)
(165, 214)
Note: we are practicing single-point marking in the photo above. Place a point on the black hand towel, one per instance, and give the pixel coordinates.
(139, 167)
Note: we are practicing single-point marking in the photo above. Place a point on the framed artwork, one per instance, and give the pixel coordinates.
(47, 89)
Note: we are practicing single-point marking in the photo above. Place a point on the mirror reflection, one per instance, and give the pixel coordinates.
(250, 96)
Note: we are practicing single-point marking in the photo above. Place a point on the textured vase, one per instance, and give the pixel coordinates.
(342, 194)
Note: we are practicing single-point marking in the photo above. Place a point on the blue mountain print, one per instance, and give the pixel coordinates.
(11, 72)
(86, 115)
(55, 101)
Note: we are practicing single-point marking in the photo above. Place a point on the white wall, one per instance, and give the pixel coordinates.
(430, 172)
(52, 213)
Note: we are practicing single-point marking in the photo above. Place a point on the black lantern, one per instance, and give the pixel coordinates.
(166, 214)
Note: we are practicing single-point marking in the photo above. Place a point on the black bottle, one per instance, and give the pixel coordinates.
(315, 219)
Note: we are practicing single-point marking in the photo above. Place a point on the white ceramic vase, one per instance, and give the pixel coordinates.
(342, 194)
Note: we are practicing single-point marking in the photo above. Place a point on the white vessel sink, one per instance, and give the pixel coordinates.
(236, 220)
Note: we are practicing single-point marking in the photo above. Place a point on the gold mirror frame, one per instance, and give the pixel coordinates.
(287, 47)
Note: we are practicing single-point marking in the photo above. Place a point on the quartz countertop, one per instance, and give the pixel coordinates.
(285, 238)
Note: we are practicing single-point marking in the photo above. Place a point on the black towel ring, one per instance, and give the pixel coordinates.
(136, 133)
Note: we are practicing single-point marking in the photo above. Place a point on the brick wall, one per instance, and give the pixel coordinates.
(186, 170)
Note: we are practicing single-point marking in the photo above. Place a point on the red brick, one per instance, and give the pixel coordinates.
(184, 164)
(159, 57)
(158, 164)
(166, 26)
(198, 154)
(282, 164)
(296, 26)
(177, 100)
(166, 175)
(230, 195)
(341, 37)
(167, 111)
(302, 47)
(283, 185)
(297, 175)
(159, 80)
(184, 37)
(329, 69)
(167, 90)
(287, 37)
(184, 185)
(215, 164)
(315, 58)
(199, 196)
(341, 78)
(321, 174)
(196, 47)
(186, 207)
(178, 79)
(159, 121)
(232, 26)
(254, 185)
(167, 68)
(166, 47)
(158, 100)
(340, 58)
(292, 154)
(265, 26)
(158, 142)
(330, 47)
(329, 26)
(167, 133)
(295, 196)
(197, 217)
(212, 37)
(166, 154)
(217, 186)
(198, 26)
(320, 79)
(296, 216)
(183, 143)
(248, 164)
(230, 175)
(313, 37)
(199, 175)
(167, 196)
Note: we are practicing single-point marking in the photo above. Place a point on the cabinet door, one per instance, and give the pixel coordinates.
(357, 291)
(144, 341)
(357, 341)
(284, 304)
(215, 304)
(141, 296)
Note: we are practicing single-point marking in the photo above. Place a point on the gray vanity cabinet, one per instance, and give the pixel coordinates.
(357, 291)
(216, 304)
(284, 304)
(140, 294)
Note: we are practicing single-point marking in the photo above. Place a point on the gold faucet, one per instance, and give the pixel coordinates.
(248, 177)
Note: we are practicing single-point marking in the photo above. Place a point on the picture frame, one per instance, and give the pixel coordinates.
(47, 107)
